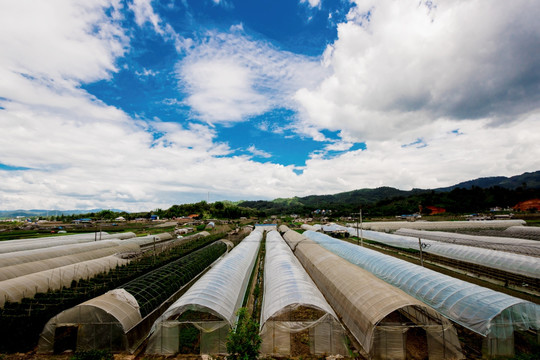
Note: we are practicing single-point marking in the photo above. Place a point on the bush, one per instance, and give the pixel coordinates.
(243, 342)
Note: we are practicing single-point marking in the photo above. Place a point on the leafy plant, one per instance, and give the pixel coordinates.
(244, 342)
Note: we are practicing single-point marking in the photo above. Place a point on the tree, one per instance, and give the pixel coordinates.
(243, 342)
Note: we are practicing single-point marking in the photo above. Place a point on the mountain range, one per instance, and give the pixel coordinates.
(526, 181)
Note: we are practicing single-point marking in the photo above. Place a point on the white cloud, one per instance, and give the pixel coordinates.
(82, 153)
(398, 66)
(144, 13)
(259, 153)
(312, 3)
(229, 77)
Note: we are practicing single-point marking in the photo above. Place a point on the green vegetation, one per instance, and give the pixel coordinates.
(243, 342)
(387, 201)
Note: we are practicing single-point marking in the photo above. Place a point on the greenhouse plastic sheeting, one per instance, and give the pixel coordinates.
(513, 263)
(524, 231)
(376, 313)
(18, 288)
(78, 253)
(518, 246)
(50, 241)
(440, 225)
(219, 292)
(287, 288)
(479, 309)
(100, 323)
(26, 256)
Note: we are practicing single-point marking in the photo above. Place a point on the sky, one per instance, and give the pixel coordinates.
(141, 104)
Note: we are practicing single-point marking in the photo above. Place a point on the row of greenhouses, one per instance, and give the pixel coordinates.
(510, 262)
(206, 312)
(115, 320)
(23, 273)
(441, 225)
(317, 292)
(508, 244)
(489, 313)
(378, 315)
(10, 246)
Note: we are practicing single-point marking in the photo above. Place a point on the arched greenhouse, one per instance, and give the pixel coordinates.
(386, 322)
(295, 319)
(199, 321)
(487, 312)
(120, 319)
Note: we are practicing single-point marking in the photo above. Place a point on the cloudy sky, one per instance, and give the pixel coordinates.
(141, 104)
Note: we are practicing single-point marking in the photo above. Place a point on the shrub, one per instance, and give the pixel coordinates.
(243, 342)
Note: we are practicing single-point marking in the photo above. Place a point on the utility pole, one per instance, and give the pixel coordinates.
(357, 229)
(421, 254)
(361, 228)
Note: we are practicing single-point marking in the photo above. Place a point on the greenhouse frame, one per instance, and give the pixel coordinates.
(120, 310)
(377, 314)
(99, 323)
(513, 263)
(513, 245)
(200, 320)
(295, 317)
(487, 312)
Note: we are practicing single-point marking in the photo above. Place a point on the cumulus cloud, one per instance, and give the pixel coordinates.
(439, 94)
(400, 65)
(230, 77)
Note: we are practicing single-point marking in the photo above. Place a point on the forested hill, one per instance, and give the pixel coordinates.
(471, 196)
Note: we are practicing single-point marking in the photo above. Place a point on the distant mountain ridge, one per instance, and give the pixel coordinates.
(387, 194)
(528, 179)
(39, 212)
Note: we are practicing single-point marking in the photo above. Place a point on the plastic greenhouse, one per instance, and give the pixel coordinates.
(484, 311)
(49, 241)
(384, 320)
(20, 287)
(199, 321)
(31, 261)
(524, 231)
(513, 263)
(441, 225)
(295, 319)
(113, 317)
(518, 246)
(100, 323)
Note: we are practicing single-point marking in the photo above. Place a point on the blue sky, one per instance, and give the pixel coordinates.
(138, 104)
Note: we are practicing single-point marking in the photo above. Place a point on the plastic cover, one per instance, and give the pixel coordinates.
(101, 322)
(479, 309)
(513, 263)
(49, 241)
(441, 225)
(32, 261)
(18, 288)
(287, 288)
(219, 292)
(369, 306)
(518, 246)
